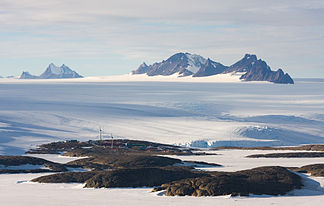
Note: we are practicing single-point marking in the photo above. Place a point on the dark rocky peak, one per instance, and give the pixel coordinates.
(27, 75)
(252, 57)
(143, 64)
(178, 57)
(177, 63)
(258, 70)
(281, 77)
(208, 62)
(259, 65)
(245, 64)
(262, 74)
(142, 69)
(280, 72)
(210, 68)
(183, 63)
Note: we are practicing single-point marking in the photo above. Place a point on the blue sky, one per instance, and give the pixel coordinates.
(111, 37)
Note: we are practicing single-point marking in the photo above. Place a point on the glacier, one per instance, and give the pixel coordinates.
(202, 114)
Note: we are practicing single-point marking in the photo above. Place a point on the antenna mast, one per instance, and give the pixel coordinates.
(112, 141)
(100, 133)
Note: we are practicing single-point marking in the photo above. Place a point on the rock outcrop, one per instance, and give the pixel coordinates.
(139, 177)
(127, 177)
(124, 161)
(135, 166)
(316, 170)
(66, 177)
(258, 181)
(21, 164)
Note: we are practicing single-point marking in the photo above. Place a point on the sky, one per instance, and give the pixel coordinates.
(112, 37)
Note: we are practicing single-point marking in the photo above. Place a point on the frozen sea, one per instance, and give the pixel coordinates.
(184, 113)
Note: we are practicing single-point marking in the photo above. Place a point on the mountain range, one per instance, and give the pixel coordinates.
(53, 72)
(186, 64)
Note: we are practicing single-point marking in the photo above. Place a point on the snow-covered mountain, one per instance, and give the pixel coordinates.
(185, 64)
(53, 72)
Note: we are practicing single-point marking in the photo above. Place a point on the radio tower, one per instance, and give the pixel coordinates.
(112, 141)
(100, 133)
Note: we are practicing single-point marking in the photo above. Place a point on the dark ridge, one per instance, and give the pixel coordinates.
(123, 161)
(314, 147)
(66, 177)
(7, 161)
(289, 155)
(316, 170)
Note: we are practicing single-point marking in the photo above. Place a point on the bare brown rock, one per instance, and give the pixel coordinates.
(263, 180)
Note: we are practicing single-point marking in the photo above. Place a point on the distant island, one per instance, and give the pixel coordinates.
(185, 64)
(53, 72)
